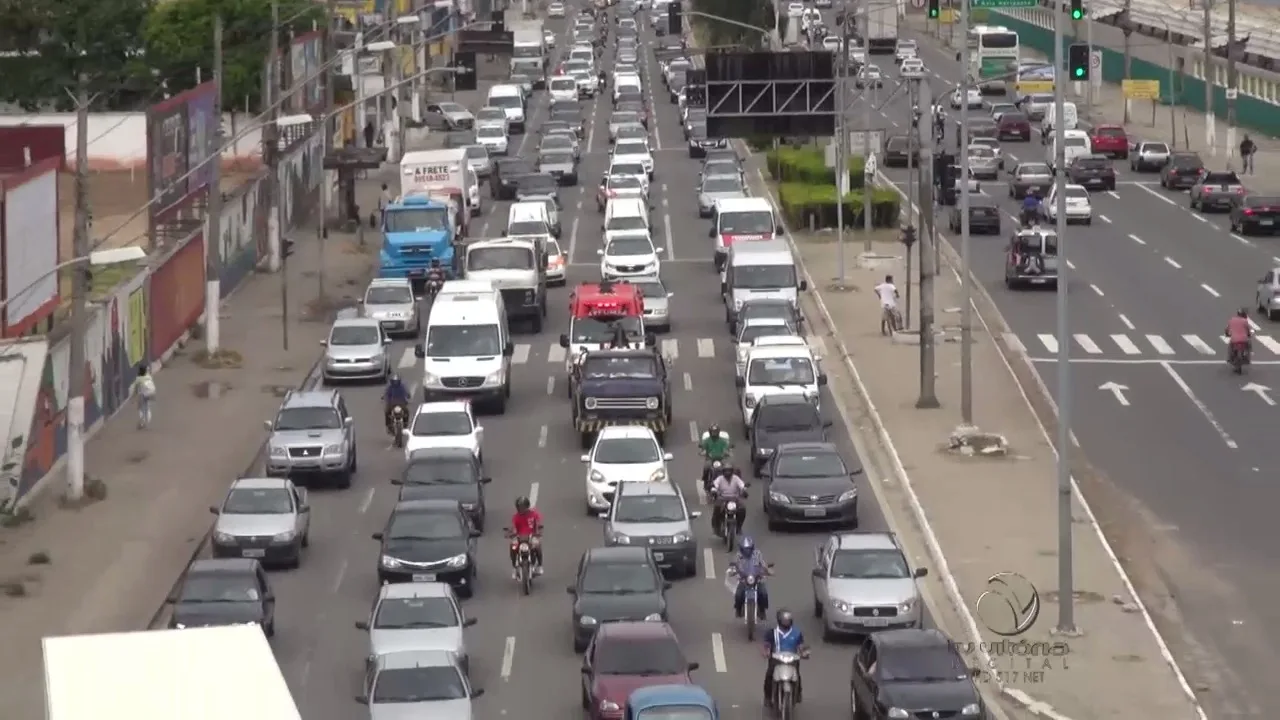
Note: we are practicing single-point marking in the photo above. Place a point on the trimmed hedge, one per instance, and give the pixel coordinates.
(801, 201)
(807, 165)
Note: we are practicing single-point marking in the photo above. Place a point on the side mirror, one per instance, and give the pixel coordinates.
(585, 458)
(822, 380)
(585, 670)
(711, 233)
(377, 536)
(765, 472)
(397, 482)
(600, 251)
(667, 586)
(405, 433)
(324, 343)
(920, 572)
(571, 590)
(695, 514)
(827, 423)
(362, 699)
(693, 666)
(362, 625)
(804, 285)
(476, 533)
(213, 509)
(817, 572)
(564, 341)
(659, 250)
(469, 622)
(386, 341)
(477, 692)
(650, 339)
(267, 424)
(419, 351)
(486, 480)
(508, 350)
(170, 600)
(778, 230)
(668, 457)
(739, 382)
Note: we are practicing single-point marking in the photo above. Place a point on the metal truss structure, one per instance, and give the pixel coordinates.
(768, 98)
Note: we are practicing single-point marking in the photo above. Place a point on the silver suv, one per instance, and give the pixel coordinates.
(863, 584)
(313, 436)
(390, 301)
(654, 515)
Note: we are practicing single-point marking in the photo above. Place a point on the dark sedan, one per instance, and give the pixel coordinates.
(1181, 171)
(984, 216)
(446, 474)
(229, 591)
(616, 584)
(783, 418)
(898, 151)
(506, 177)
(1256, 214)
(1092, 172)
(429, 541)
(810, 483)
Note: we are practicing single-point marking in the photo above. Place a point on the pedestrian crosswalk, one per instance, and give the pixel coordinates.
(1135, 346)
(529, 353)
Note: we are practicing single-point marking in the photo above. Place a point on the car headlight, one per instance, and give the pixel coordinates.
(494, 378)
(970, 710)
(223, 538)
(620, 538)
(651, 403)
(653, 617)
(906, 605)
(590, 403)
(659, 475)
(779, 498)
(847, 495)
(681, 537)
(179, 626)
(588, 620)
(332, 450)
(841, 606)
(898, 713)
(608, 706)
(737, 304)
(456, 561)
(429, 379)
(389, 562)
(749, 400)
(277, 451)
(596, 476)
(284, 536)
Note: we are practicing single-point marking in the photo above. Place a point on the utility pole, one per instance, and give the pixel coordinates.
(869, 178)
(842, 138)
(213, 235)
(966, 276)
(79, 300)
(928, 241)
(1210, 117)
(1233, 78)
(328, 127)
(271, 153)
(913, 164)
(1066, 579)
(1127, 29)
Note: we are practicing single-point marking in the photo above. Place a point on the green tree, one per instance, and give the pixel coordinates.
(757, 13)
(50, 42)
(178, 37)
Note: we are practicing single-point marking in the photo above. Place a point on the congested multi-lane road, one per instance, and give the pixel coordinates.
(1152, 284)
(521, 650)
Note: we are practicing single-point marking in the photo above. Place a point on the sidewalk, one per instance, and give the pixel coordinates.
(109, 565)
(989, 515)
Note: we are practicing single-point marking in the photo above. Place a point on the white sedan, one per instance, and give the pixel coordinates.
(974, 99)
(493, 138)
(555, 9)
(623, 453)
(444, 424)
(913, 67)
(632, 151)
(630, 256)
(1079, 207)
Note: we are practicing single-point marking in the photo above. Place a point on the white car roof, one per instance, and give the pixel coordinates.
(779, 341)
(444, 406)
(778, 351)
(614, 432)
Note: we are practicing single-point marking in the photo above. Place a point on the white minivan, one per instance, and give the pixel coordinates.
(762, 269)
(511, 99)
(467, 350)
(1075, 143)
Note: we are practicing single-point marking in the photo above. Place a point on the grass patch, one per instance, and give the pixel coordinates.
(104, 279)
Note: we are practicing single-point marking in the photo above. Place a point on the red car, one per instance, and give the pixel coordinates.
(1013, 126)
(626, 656)
(1110, 140)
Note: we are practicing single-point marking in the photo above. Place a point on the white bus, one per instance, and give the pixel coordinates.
(993, 52)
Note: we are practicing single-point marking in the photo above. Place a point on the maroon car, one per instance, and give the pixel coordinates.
(1013, 126)
(626, 656)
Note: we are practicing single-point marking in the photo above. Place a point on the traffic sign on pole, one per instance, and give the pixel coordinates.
(997, 4)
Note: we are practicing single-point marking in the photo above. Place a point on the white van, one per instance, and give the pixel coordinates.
(511, 99)
(563, 88)
(1075, 143)
(764, 269)
(778, 369)
(529, 218)
(1070, 119)
(626, 217)
(735, 220)
(626, 83)
(467, 350)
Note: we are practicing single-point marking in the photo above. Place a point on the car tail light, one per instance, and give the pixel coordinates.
(1240, 190)
(1247, 211)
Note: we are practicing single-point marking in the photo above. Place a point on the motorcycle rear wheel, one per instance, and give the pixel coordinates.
(786, 705)
(749, 607)
(730, 526)
(526, 579)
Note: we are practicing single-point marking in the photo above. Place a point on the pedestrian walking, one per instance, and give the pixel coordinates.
(1247, 150)
(145, 386)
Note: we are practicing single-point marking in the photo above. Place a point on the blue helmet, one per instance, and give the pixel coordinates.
(746, 546)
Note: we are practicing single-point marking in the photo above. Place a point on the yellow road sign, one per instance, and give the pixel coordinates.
(1026, 87)
(1141, 89)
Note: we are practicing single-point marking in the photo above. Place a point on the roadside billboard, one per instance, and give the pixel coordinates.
(180, 137)
(29, 247)
(177, 294)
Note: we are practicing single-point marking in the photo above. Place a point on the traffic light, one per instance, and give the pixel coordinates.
(934, 9)
(1077, 9)
(675, 24)
(464, 76)
(498, 21)
(1078, 61)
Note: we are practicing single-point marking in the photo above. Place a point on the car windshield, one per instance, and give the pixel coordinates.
(539, 184)
(722, 185)
(789, 417)
(1093, 163)
(506, 101)
(491, 132)
(625, 182)
(632, 131)
(981, 151)
(557, 141)
(1155, 147)
(869, 565)
(564, 84)
(631, 148)
(618, 118)
(764, 277)
(425, 526)
(386, 295)
(1186, 161)
(501, 258)
(625, 246)
(416, 219)
(1110, 132)
(640, 656)
(758, 330)
(476, 152)
(406, 613)
(1077, 193)
(308, 418)
(218, 588)
(651, 289)
(1036, 243)
(346, 335)
(258, 501)
(439, 471)
(649, 509)
(522, 227)
(441, 423)
(1034, 169)
(618, 578)
(766, 309)
(418, 684)
(446, 341)
(557, 157)
(627, 451)
(674, 712)
(619, 367)
(795, 370)
(596, 330)
(491, 114)
(628, 168)
(746, 222)
(1076, 142)
(809, 465)
(922, 664)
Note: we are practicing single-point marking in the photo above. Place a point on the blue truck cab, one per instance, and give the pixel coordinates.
(659, 702)
(416, 229)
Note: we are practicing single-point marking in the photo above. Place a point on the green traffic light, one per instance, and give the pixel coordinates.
(1079, 72)
(933, 13)
(1077, 14)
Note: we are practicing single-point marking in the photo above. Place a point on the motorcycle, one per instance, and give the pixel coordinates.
(433, 288)
(1238, 358)
(786, 680)
(523, 547)
(397, 426)
(729, 521)
(750, 599)
(709, 472)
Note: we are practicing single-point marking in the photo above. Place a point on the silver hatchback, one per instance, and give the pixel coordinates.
(863, 584)
(390, 301)
(268, 519)
(417, 616)
(654, 515)
(418, 684)
(356, 349)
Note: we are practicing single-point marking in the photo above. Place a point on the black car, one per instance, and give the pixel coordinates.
(766, 308)
(810, 483)
(984, 216)
(693, 117)
(537, 184)
(572, 117)
(506, 176)
(898, 151)
(429, 541)
(230, 591)
(620, 387)
(913, 668)
(698, 141)
(783, 418)
(446, 474)
(1181, 171)
(616, 584)
(560, 165)
(1255, 214)
(1092, 172)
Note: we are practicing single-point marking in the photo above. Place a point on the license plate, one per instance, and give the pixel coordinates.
(254, 553)
(1266, 222)
(1033, 188)
(657, 556)
(424, 577)
(815, 512)
(1038, 281)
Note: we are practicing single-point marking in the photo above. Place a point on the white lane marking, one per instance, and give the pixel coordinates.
(1127, 322)
(573, 239)
(551, 384)
(555, 354)
(1137, 239)
(1200, 218)
(706, 348)
(1172, 262)
(717, 653)
(367, 500)
(1268, 342)
(670, 243)
(1160, 345)
(508, 657)
(708, 562)
(1253, 325)
(1097, 289)
(1114, 194)
(533, 494)
(1127, 346)
(693, 431)
(1050, 342)
(1013, 342)
(542, 436)
(1104, 218)
(1088, 344)
(520, 355)
(1201, 346)
(407, 359)
(1071, 265)
(337, 579)
(1244, 240)
(1186, 390)
(1156, 194)
(1210, 290)
(670, 348)
(688, 382)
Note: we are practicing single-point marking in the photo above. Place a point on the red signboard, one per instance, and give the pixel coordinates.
(25, 145)
(177, 295)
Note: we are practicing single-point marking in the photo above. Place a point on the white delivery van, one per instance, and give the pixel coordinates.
(445, 172)
(1075, 143)
(764, 269)
(467, 349)
(517, 267)
(778, 369)
(737, 220)
(511, 99)
(1070, 119)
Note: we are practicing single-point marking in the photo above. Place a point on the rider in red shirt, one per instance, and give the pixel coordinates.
(527, 523)
(1239, 332)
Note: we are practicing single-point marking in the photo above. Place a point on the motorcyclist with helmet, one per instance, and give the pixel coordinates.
(714, 446)
(527, 523)
(750, 563)
(728, 485)
(435, 276)
(1239, 333)
(785, 637)
(395, 395)
(1030, 208)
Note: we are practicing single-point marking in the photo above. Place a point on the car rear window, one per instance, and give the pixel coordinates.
(1093, 163)
(1012, 118)
(1262, 201)
(1110, 132)
(1187, 161)
(1221, 178)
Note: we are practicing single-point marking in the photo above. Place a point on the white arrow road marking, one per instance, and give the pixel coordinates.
(1262, 391)
(1117, 390)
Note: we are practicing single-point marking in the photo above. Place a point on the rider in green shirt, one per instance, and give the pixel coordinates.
(714, 446)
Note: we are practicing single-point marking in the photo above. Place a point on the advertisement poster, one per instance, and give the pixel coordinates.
(179, 138)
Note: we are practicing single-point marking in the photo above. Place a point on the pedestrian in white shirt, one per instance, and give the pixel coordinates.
(887, 292)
